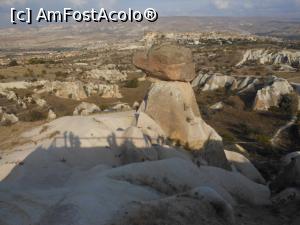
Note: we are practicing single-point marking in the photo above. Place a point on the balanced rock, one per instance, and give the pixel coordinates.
(167, 62)
(173, 106)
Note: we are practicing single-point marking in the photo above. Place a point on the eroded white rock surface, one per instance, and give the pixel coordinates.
(264, 56)
(73, 173)
(242, 165)
(85, 109)
(271, 95)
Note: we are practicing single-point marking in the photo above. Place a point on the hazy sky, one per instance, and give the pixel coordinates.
(276, 8)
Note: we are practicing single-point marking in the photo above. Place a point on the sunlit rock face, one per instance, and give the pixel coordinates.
(167, 62)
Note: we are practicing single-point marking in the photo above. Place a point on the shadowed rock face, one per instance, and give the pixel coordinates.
(167, 62)
(173, 106)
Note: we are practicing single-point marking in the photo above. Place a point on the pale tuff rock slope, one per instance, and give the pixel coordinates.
(268, 91)
(68, 89)
(110, 76)
(271, 57)
(211, 82)
(85, 109)
(271, 95)
(72, 179)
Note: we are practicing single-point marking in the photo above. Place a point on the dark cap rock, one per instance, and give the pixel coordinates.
(167, 62)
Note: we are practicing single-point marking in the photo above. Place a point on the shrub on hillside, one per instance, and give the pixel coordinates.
(235, 102)
(34, 61)
(289, 104)
(134, 83)
(13, 63)
(35, 115)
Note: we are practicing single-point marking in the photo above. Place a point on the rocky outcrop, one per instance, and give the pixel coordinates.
(109, 76)
(197, 38)
(217, 81)
(289, 175)
(40, 102)
(217, 106)
(103, 90)
(85, 109)
(211, 82)
(273, 57)
(8, 119)
(242, 165)
(121, 107)
(74, 90)
(167, 62)
(270, 95)
(51, 115)
(78, 90)
(269, 91)
(172, 105)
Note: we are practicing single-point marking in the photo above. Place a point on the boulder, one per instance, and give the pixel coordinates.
(217, 106)
(242, 165)
(173, 106)
(136, 105)
(85, 109)
(167, 62)
(40, 102)
(8, 119)
(51, 115)
(121, 107)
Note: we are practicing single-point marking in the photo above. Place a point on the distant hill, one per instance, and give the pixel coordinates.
(84, 34)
